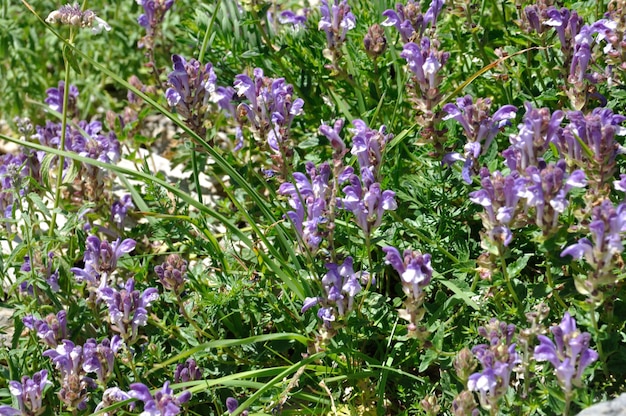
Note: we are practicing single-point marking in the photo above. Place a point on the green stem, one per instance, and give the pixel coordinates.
(193, 323)
(507, 280)
(594, 323)
(205, 40)
(66, 90)
(554, 291)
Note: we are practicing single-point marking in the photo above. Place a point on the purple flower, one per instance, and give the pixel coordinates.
(172, 274)
(120, 208)
(415, 273)
(368, 145)
(336, 21)
(192, 88)
(498, 359)
(187, 372)
(68, 360)
(101, 260)
(546, 190)
(410, 21)
(153, 14)
(569, 353)
(28, 394)
(100, 358)
(413, 267)
(55, 98)
(51, 330)
(479, 126)
(606, 227)
(110, 397)
(539, 128)
(162, 403)
(232, 404)
(499, 196)
(332, 134)
(590, 140)
(425, 61)
(128, 308)
(289, 17)
(270, 110)
(341, 283)
(309, 200)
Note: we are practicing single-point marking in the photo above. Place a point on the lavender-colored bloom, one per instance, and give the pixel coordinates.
(232, 404)
(309, 200)
(413, 267)
(128, 308)
(498, 359)
(365, 199)
(606, 227)
(187, 372)
(410, 21)
(100, 358)
(499, 196)
(110, 397)
(479, 126)
(546, 190)
(120, 208)
(192, 88)
(172, 274)
(289, 17)
(425, 61)
(569, 353)
(271, 109)
(368, 145)
(153, 14)
(28, 394)
(55, 98)
(336, 21)
(68, 359)
(332, 134)
(621, 184)
(162, 403)
(415, 272)
(101, 260)
(538, 129)
(597, 132)
(51, 330)
(341, 283)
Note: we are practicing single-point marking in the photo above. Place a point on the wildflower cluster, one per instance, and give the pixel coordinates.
(415, 273)
(75, 362)
(153, 14)
(29, 395)
(72, 15)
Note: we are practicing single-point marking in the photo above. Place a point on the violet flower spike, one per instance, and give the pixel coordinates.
(51, 330)
(569, 353)
(128, 308)
(28, 394)
(336, 21)
(163, 402)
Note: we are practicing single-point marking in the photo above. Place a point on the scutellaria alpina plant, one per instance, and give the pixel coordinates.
(286, 292)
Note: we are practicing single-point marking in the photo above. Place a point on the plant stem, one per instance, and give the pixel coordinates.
(66, 93)
(594, 323)
(507, 280)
